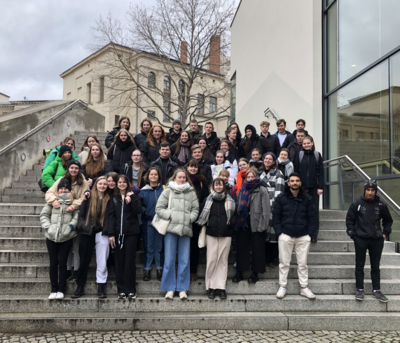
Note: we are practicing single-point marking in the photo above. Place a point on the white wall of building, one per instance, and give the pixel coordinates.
(277, 56)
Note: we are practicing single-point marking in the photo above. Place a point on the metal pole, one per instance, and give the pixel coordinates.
(341, 185)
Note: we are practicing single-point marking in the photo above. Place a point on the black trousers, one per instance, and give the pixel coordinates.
(125, 264)
(58, 254)
(194, 249)
(256, 240)
(313, 192)
(374, 247)
(271, 252)
(86, 249)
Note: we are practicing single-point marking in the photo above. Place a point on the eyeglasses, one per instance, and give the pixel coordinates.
(136, 155)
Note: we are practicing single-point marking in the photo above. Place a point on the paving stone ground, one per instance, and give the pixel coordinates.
(209, 336)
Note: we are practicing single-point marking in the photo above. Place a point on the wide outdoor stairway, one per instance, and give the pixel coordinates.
(24, 286)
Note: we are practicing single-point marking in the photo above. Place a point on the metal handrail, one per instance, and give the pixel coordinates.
(391, 203)
(40, 126)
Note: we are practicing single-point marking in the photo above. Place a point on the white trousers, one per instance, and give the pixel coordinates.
(102, 252)
(301, 247)
(74, 255)
(217, 261)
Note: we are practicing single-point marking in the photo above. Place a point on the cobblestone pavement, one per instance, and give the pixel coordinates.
(211, 336)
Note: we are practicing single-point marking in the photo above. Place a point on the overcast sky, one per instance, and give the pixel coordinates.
(42, 38)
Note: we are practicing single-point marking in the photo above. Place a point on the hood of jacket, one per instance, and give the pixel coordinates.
(149, 188)
(185, 188)
(57, 151)
(301, 193)
(172, 132)
(286, 131)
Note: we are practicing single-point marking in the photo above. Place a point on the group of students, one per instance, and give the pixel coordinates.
(259, 193)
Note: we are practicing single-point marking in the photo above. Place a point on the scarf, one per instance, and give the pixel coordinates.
(230, 206)
(184, 152)
(195, 178)
(244, 201)
(288, 166)
(239, 180)
(124, 145)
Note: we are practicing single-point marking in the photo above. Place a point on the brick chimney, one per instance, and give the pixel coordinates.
(215, 54)
(184, 51)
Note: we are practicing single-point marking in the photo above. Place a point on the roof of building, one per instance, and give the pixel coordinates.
(236, 12)
(4, 95)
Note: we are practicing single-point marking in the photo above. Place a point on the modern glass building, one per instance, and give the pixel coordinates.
(361, 93)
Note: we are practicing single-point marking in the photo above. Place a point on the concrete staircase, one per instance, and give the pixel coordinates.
(24, 285)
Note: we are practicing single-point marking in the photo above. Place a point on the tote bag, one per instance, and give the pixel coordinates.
(161, 225)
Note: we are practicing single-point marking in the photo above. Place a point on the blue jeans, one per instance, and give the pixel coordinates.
(170, 281)
(143, 233)
(153, 249)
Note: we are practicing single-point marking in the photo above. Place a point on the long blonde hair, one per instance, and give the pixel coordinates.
(92, 168)
(127, 133)
(95, 202)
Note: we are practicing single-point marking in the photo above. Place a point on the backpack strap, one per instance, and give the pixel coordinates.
(301, 155)
(316, 155)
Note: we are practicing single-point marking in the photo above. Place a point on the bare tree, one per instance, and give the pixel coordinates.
(182, 39)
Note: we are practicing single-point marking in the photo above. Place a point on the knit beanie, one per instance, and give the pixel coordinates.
(253, 131)
(370, 184)
(64, 183)
(63, 149)
(74, 162)
(176, 121)
(270, 153)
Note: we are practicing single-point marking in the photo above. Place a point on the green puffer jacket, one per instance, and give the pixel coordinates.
(56, 222)
(53, 154)
(184, 208)
(50, 174)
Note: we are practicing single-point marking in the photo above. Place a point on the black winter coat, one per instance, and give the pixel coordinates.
(257, 142)
(364, 216)
(140, 138)
(89, 230)
(291, 138)
(213, 142)
(111, 135)
(294, 149)
(217, 226)
(202, 191)
(205, 170)
(195, 136)
(126, 217)
(172, 136)
(294, 216)
(272, 144)
(128, 172)
(311, 172)
(150, 153)
(119, 154)
(171, 167)
(107, 168)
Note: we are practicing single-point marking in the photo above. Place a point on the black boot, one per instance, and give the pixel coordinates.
(78, 293)
(211, 293)
(159, 274)
(146, 275)
(101, 290)
(238, 277)
(253, 278)
(222, 294)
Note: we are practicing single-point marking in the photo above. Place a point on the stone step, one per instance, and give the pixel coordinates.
(40, 270)
(146, 321)
(84, 134)
(314, 258)
(34, 191)
(36, 198)
(235, 303)
(41, 286)
(332, 224)
(36, 240)
(25, 184)
(333, 235)
(21, 209)
(332, 214)
(37, 171)
(29, 179)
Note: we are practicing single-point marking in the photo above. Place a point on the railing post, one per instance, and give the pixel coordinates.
(341, 184)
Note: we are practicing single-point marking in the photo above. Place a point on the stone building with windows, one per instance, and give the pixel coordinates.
(96, 80)
(7, 106)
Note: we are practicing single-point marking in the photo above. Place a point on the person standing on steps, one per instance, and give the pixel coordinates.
(124, 237)
(294, 222)
(55, 152)
(181, 149)
(151, 146)
(123, 123)
(282, 133)
(211, 137)
(175, 132)
(179, 205)
(218, 213)
(95, 164)
(200, 185)
(120, 152)
(309, 164)
(300, 125)
(272, 141)
(256, 160)
(145, 127)
(194, 131)
(284, 164)
(205, 168)
(241, 175)
(85, 150)
(165, 164)
(220, 163)
(224, 146)
(296, 146)
(363, 222)
(208, 156)
(58, 167)
(96, 219)
(135, 169)
(152, 239)
(235, 146)
(59, 226)
(253, 141)
(253, 225)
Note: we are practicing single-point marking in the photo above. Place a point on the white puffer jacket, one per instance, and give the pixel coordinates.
(227, 166)
(183, 211)
(83, 156)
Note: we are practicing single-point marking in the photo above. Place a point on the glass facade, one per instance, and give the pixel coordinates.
(361, 54)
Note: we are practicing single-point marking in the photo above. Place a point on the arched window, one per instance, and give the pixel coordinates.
(181, 99)
(167, 83)
(151, 80)
(167, 99)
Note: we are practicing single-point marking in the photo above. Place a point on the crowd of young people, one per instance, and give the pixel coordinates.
(258, 194)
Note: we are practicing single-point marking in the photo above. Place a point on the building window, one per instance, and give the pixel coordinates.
(213, 104)
(89, 93)
(181, 100)
(101, 89)
(167, 99)
(345, 134)
(233, 98)
(151, 114)
(151, 80)
(116, 120)
(200, 104)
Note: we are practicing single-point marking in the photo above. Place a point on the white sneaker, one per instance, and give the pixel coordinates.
(60, 295)
(183, 295)
(306, 292)
(169, 295)
(52, 296)
(281, 292)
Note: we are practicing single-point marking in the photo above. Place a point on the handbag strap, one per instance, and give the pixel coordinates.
(169, 200)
